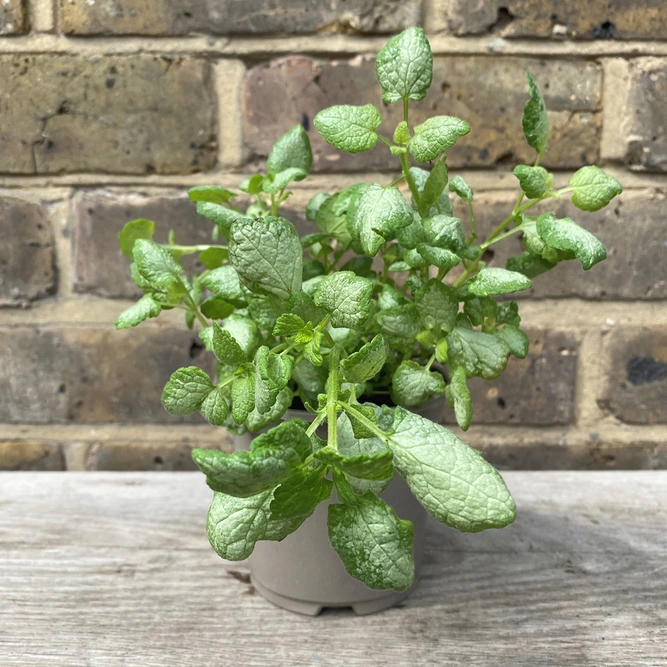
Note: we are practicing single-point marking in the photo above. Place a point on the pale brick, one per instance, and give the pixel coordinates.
(27, 259)
(13, 17)
(124, 114)
(92, 375)
(488, 93)
(167, 457)
(636, 375)
(180, 17)
(28, 455)
(537, 390)
(554, 452)
(631, 228)
(597, 19)
(646, 123)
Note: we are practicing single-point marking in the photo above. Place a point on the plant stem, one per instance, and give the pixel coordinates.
(473, 235)
(430, 362)
(486, 244)
(405, 164)
(316, 423)
(362, 419)
(405, 109)
(332, 398)
(189, 249)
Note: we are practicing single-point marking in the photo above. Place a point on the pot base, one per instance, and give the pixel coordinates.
(361, 608)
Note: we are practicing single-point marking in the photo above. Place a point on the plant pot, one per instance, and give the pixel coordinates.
(304, 574)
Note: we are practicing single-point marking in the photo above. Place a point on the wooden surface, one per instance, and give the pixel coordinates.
(114, 569)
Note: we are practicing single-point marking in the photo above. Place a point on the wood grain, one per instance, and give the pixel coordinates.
(114, 570)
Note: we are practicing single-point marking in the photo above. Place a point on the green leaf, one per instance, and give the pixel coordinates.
(273, 372)
(380, 213)
(245, 333)
(529, 264)
(257, 421)
(235, 525)
(303, 305)
(360, 429)
(288, 325)
(452, 481)
(223, 217)
(243, 396)
(376, 467)
(273, 457)
(433, 188)
(291, 151)
(565, 234)
(458, 186)
(301, 493)
(534, 181)
(402, 133)
(412, 385)
(351, 445)
(442, 205)
(404, 67)
(437, 305)
(274, 184)
(224, 282)
(253, 185)
(440, 257)
(132, 231)
(399, 326)
(225, 347)
(416, 261)
(444, 231)
(479, 309)
(494, 280)
(213, 258)
(436, 135)
(157, 266)
(347, 297)
(314, 204)
(442, 351)
(458, 397)
(210, 193)
(143, 309)
(367, 362)
(516, 340)
(216, 308)
(535, 121)
(186, 391)
(390, 297)
(349, 128)
(264, 311)
(373, 543)
(411, 236)
(480, 354)
(508, 313)
(310, 378)
(267, 255)
(331, 220)
(214, 408)
(593, 188)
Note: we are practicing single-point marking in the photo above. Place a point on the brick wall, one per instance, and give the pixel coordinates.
(109, 111)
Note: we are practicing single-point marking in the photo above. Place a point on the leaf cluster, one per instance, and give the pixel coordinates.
(388, 301)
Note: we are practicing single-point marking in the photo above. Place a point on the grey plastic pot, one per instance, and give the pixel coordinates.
(304, 574)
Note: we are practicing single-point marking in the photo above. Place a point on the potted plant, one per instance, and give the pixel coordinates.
(361, 325)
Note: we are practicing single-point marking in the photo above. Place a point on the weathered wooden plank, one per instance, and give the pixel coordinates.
(108, 570)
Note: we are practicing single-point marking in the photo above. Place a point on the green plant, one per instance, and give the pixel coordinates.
(355, 312)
